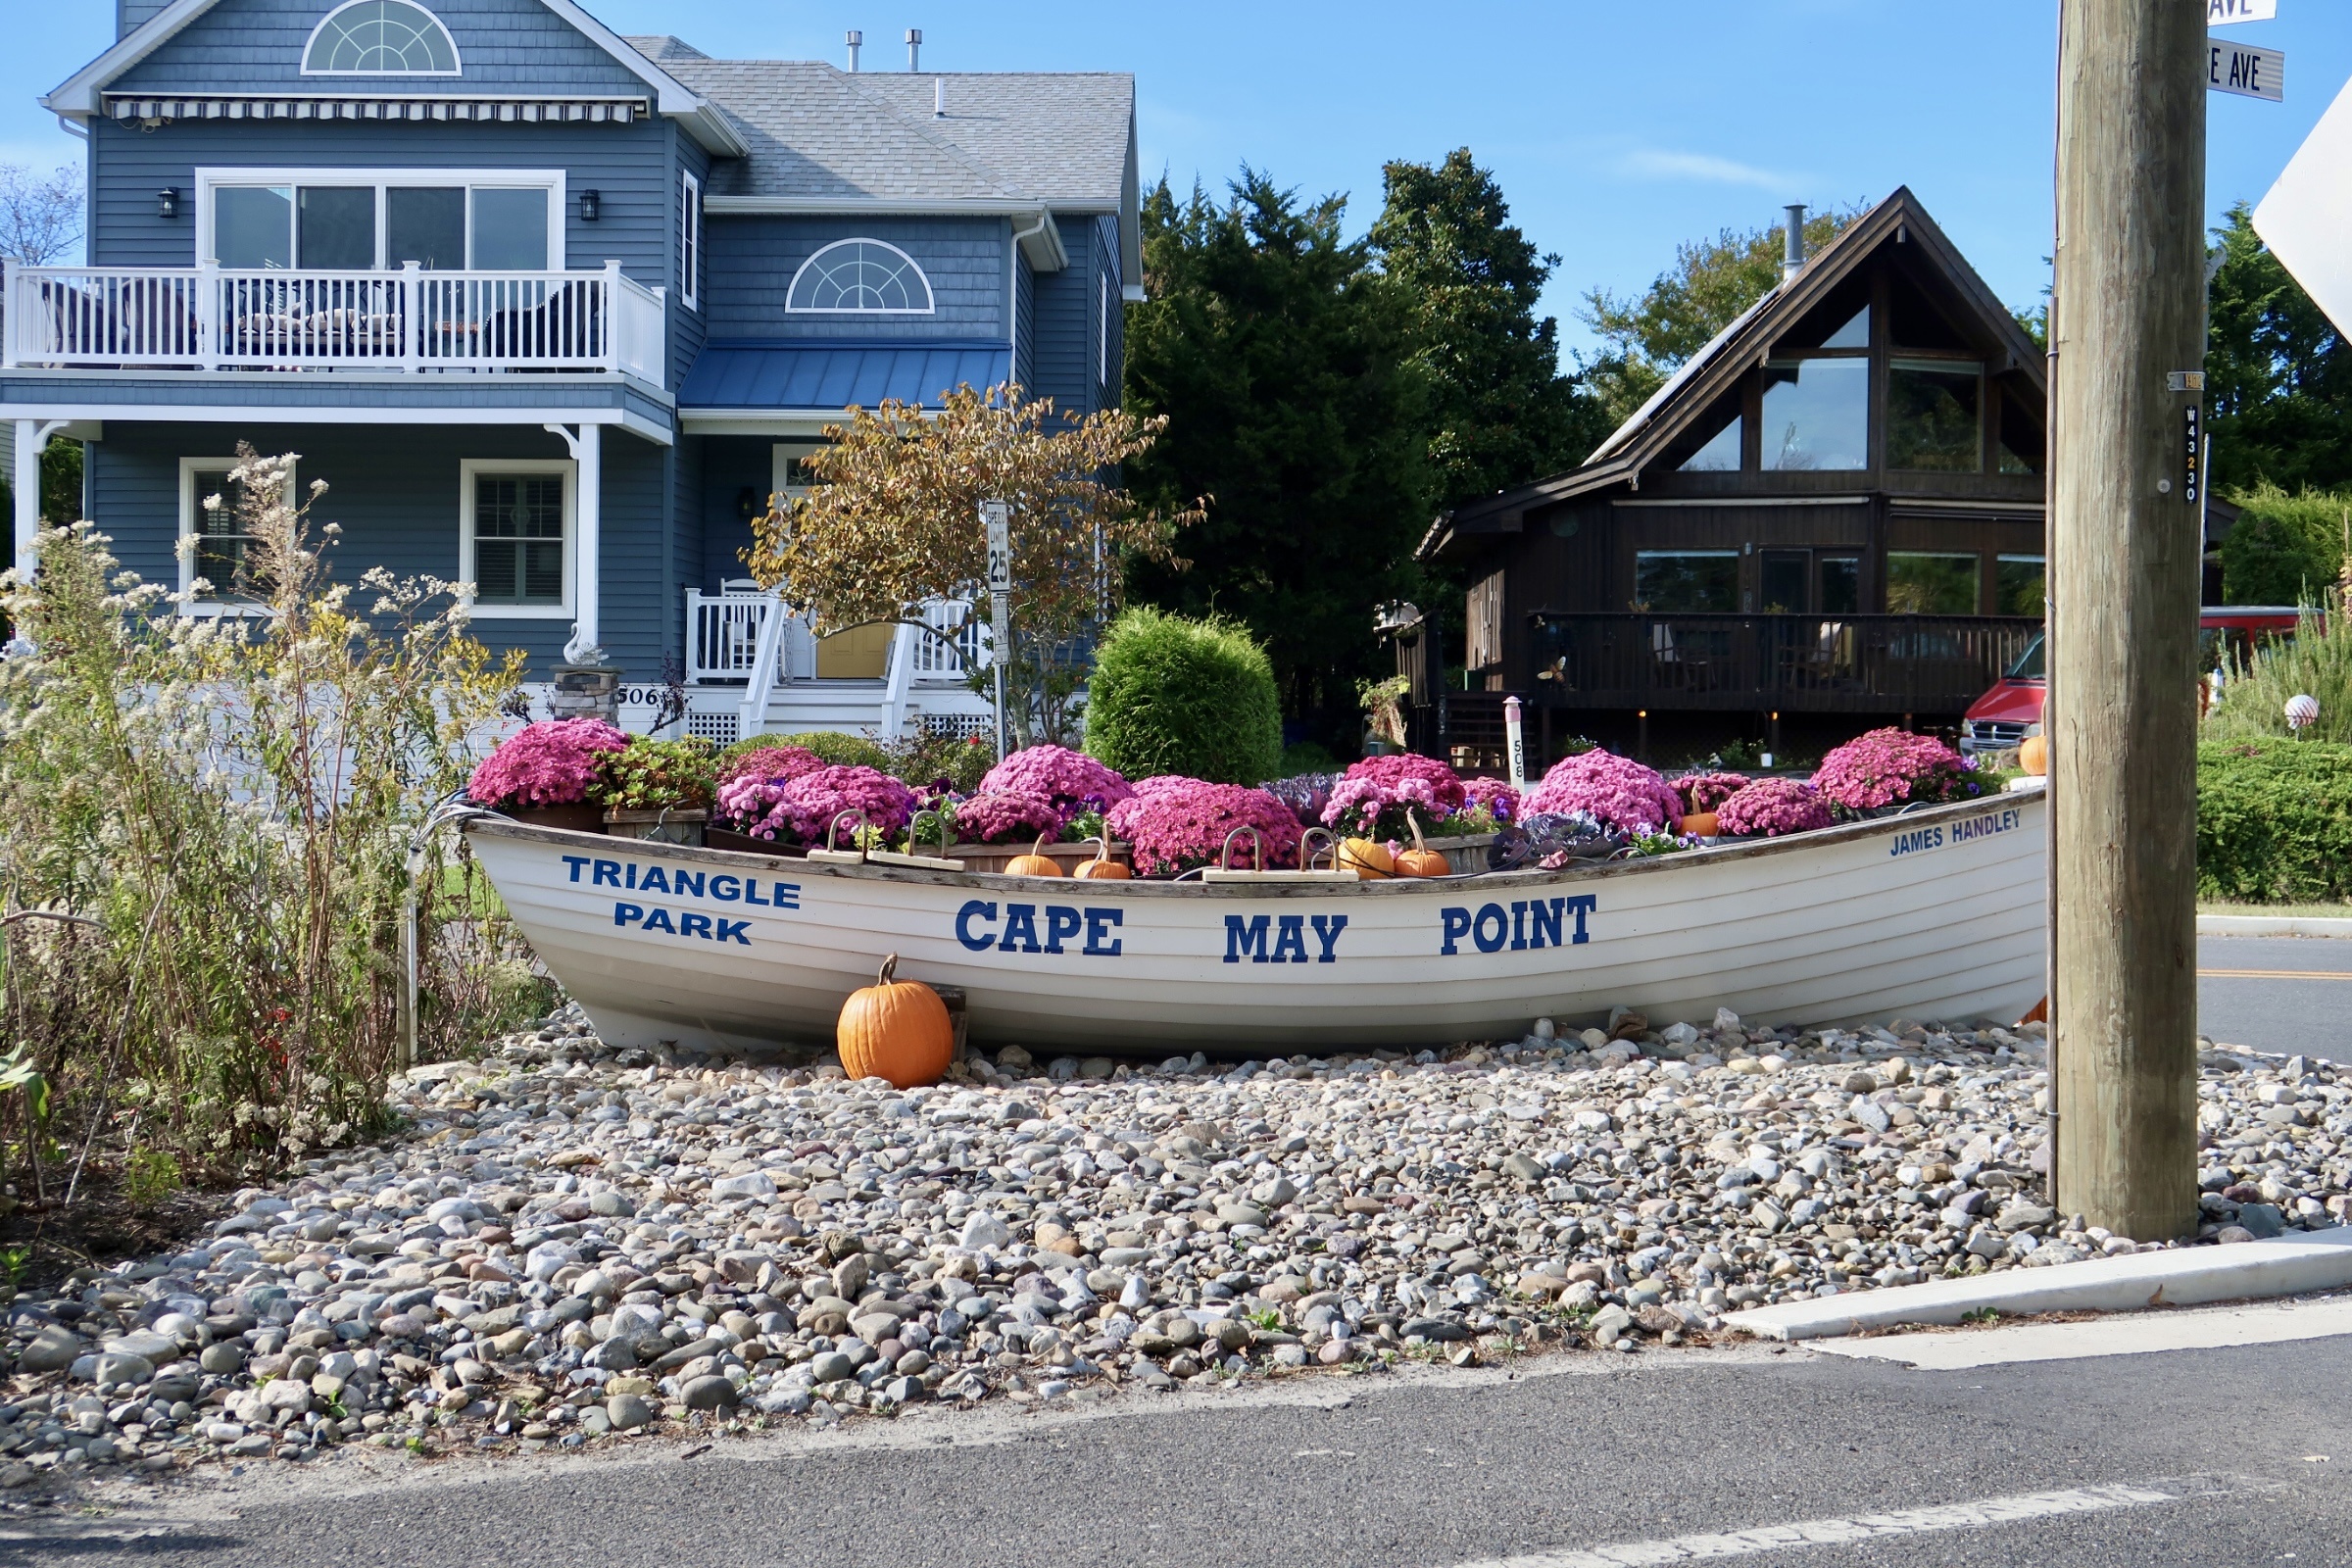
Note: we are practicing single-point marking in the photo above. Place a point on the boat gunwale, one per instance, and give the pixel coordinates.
(497, 824)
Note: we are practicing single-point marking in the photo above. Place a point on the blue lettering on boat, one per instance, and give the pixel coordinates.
(1536, 923)
(1019, 935)
(688, 923)
(1965, 831)
(682, 883)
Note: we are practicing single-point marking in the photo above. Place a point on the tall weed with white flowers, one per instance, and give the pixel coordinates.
(225, 802)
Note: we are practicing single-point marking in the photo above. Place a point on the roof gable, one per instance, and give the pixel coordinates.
(516, 43)
(1716, 369)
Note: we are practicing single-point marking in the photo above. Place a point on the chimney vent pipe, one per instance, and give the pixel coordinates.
(939, 97)
(915, 48)
(1792, 255)
(853, 38)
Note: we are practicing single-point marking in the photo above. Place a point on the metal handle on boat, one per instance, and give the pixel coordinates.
(833, 829)
(1308, 855)
(1225, 850)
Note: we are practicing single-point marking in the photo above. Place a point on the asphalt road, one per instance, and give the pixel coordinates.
(2280, 1005)
(2249, 1445)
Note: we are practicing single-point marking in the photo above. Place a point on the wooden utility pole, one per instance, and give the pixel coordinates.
(2125, 557)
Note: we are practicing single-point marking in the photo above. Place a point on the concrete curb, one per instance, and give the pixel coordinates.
(2271, 925)
(2286, 1265)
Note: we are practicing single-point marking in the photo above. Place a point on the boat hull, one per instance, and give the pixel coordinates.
(1936, 915)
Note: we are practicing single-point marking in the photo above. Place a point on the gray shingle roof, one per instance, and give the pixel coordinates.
(816, 132)
(661, 48)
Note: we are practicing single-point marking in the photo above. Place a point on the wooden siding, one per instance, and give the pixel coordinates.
(1069, 318)
(753, 259)
(256, 46)
(397, 500)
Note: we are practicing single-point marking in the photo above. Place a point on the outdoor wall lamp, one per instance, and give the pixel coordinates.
(166, 202)
(746, 503)
(589, 201)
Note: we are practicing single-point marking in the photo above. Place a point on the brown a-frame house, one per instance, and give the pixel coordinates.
(1833, 509)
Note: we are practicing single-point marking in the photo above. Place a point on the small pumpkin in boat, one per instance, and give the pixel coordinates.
(1370, 860)
(1102, 868)
(1706, 824)
(896, 1029)
(1421, 859)
(2033, 756)
(1037, 862)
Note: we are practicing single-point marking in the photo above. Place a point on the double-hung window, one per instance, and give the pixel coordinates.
(515, 527)
(354, 220)
(215, 541)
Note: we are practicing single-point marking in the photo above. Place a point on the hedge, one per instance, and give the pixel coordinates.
(2275, 821)
(1175, 696)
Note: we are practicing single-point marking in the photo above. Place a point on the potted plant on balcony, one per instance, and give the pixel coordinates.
(543, 774)
(658, 790)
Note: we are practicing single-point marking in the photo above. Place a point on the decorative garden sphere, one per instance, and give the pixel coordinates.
(2302, 709)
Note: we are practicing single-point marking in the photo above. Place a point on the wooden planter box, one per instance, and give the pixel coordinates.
(1465, 852)
(722, 838)
(997, 856)
(578, 817)
(661, 827)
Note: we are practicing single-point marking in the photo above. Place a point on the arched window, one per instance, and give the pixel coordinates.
(380, 38)
(862, 275)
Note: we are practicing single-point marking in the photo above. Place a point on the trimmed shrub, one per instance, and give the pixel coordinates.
(2275, 821)
(2285, 548)
(831, 747)
(1175, 696)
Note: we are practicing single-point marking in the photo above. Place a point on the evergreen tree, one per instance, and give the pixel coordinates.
(1500, 413)
(2278, 375)
(1280, 356)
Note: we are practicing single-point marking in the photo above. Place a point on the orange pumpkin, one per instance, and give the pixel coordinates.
(1037, 862)
(896, 1029)
(1102, 868)
(1421, 859)
(1703, 823)
(1369, 861)
(2034, 755)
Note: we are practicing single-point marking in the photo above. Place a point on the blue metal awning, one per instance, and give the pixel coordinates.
(758, 375)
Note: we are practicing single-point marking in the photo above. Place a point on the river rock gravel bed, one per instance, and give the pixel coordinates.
(568, 1245)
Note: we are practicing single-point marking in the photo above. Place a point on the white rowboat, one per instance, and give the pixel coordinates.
(1933, 914)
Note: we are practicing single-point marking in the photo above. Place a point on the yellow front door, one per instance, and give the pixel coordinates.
(858, 654)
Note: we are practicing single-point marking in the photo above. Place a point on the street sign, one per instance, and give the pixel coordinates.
(998, 517)
(2221, 13)
(2306, 218)
(2244, 70)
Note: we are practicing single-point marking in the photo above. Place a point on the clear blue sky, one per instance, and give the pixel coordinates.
(1617, 127)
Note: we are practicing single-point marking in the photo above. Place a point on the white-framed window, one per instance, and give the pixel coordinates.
(214, 544)
(788, 469)
(374, 219)
(859, 277)
(518, 522)
(380, 38)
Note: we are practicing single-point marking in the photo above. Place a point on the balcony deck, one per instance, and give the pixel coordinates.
(409, 321)
(1921, 665)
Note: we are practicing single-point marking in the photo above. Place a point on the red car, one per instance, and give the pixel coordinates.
(2012, 709)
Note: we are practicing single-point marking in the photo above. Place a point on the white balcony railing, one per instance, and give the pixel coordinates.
(722, 639)
(210, 318)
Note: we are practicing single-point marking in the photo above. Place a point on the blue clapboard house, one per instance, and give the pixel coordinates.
(554, 311)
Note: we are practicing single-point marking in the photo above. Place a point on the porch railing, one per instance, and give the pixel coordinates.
(209, 317)
(722, 637)
(1923, 664)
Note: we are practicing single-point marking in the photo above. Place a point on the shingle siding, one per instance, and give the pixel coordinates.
(256, 46)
